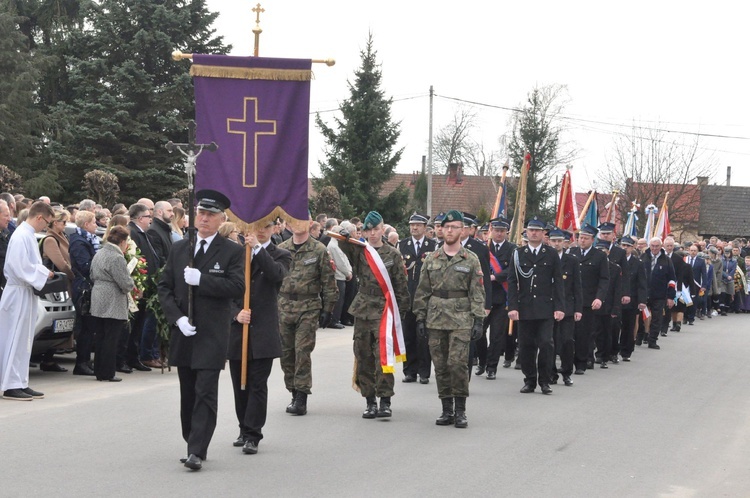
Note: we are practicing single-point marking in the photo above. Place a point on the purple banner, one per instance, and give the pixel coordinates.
(257, 111)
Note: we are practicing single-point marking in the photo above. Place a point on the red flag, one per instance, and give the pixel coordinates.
(566, 216)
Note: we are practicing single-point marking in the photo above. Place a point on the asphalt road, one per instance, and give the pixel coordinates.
(674, 422)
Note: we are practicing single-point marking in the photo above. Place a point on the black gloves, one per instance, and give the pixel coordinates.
(421, 329)
(325, 318)
(477, 329)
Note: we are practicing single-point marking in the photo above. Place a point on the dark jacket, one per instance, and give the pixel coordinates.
(222, 280)
(540, 293)
(618, 255)
(638, 283)
(504, 257)
(413, 262)
(268, 269)
(144, 245)
(662, 280)
(483, 253)
(160, 235)
(4, 238)
(612, 304)
(571, 275)
(81, 252)
(594, 276)
(700, 275)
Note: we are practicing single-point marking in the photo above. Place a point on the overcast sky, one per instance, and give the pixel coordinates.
(681, 66)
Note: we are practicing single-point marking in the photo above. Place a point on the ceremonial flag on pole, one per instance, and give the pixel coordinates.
(257, 110)
(651, 211)
(663, 227)
(630, 228)
(567, 218)
(498, 209)
(592, 214)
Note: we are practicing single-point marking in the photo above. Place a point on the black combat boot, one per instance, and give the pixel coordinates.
(461, 421)
(446, 418)
(372, 408)
(385, 407)
(290, 406)
(300, 403)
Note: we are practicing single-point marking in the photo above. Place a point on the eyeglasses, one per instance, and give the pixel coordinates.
(452, 227)
(146, 216)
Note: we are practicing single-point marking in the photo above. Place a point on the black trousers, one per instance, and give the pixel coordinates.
(659, 313)
(603, 340)
(199, 394)
(500, 341)
(584, 333)
(615, 325)
(108, 331)
(627, 331)
(251, 405)
(536, 350)
(565, 345)
(86, 326)
(336, 317)
(130, 341)
(352, 286)
(418, 359)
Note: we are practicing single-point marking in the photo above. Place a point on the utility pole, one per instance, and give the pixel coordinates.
(429, 161)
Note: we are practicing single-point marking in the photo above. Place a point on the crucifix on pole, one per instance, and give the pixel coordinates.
(191, 151)
(256, 30)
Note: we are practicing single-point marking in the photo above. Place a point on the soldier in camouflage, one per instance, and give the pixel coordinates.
(450, 308)
(301, 310)
(367, 309)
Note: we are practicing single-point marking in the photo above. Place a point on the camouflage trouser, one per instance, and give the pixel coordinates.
(370, 377)
(297, 342)
(450, 354)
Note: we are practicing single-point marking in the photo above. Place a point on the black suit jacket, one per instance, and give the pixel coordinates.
(413, 262)
(540, 295)
(481, 251)
(571, 275)
(681, 270)
(661, 281)
(638, 283)
(700, 275)
(504, 257)
(222, 280)
(618, 255)
(613, 302)
(147, 249)
(160, 235)
(594, 276)
(268, 269)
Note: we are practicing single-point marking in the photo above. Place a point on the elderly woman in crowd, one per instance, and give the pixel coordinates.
(728, 269)
(83, 246)
(109, 300)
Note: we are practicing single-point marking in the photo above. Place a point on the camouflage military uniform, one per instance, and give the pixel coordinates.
(367, 309)
(450, 296)
(310, 274)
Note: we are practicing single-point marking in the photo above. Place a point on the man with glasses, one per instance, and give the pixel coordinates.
(18, 306)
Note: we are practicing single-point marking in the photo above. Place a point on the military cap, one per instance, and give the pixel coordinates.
(469, 219)
(550, 226)
(556, 234)
(589, 229)
(499, 222)
(418, 218)
(535, 224)
(602, 244)
(567, 235)
(606, 227)
(627, 240)
(484, 227)
(372, 220)
(212, 201)
(453, 215)
(439, 218)
(524, 236)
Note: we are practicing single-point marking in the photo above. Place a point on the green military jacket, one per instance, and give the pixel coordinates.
(310, 275)
(450, 294)
(369, 302)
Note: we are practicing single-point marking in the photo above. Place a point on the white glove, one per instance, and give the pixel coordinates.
(185, 327)
(192, 276)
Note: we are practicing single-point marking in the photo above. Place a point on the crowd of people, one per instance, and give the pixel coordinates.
(466, 298)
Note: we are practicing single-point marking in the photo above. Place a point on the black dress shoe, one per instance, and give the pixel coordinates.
(32, 393)
(579, 371)
(424, 380)
(409, 378)
(603, 365)
(553, 381)
(568, 381)
(598, 361)
(385, 407)
(337, 326)
(193, 462)
(250, 448)
(663, 334)
(614, 360)
(626, 358)
(480, 370)
(111, 379)
(139, 366)
(653, 345)
(528, 388)
(518, 365)
(52, 367)
(124, 369)
(546, 389)
(240, 441)
(506, 364)
(372, 408)
(491, 375)
(82, 369)
(639, 341)
(590, 364)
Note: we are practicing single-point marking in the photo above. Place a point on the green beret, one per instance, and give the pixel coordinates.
(372, 220)
(453, 215)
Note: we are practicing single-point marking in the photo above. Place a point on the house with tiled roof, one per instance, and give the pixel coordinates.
(724, 212)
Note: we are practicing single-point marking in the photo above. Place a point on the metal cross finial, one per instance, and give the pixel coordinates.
(258, 9)
(191, 151)
(256, 30)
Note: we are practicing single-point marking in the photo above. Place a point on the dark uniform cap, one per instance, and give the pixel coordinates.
(535, 224)
(469, 219)
(627, 240)
(524, 236)
(453, 215)
(556, 233)
(589, 229)
(568, 236)
(439, 217)
(484, 227)
(606, 227)
(602, 244)
(213, 201)
(500, 223)
(372, 220)
(418, 218)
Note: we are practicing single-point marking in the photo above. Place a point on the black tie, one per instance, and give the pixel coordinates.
(199, 255)
(418, 247)
(497, 247)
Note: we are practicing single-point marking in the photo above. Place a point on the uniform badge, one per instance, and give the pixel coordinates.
(462, 269)
(216, 268)
(407, 256)
(564, 277)
(310, 261)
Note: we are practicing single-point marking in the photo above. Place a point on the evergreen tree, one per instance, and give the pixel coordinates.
(360, 156)
(127, 97)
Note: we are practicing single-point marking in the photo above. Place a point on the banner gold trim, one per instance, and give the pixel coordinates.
(246, 73)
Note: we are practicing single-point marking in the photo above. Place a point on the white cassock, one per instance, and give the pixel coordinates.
(18, 307)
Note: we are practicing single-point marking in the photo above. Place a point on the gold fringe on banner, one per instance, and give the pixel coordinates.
(247, 73)
(244, 226)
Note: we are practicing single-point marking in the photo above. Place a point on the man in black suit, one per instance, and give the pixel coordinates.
(606, 316)
(199, 349)
(661, 279)
(536, 299)
(594, 285)
(269, 266)
(631, 310)
(698, 285)
(481, 251)
(414, 249)
(616, 255)
(564, 331)
(500, 342)
(683, 278)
